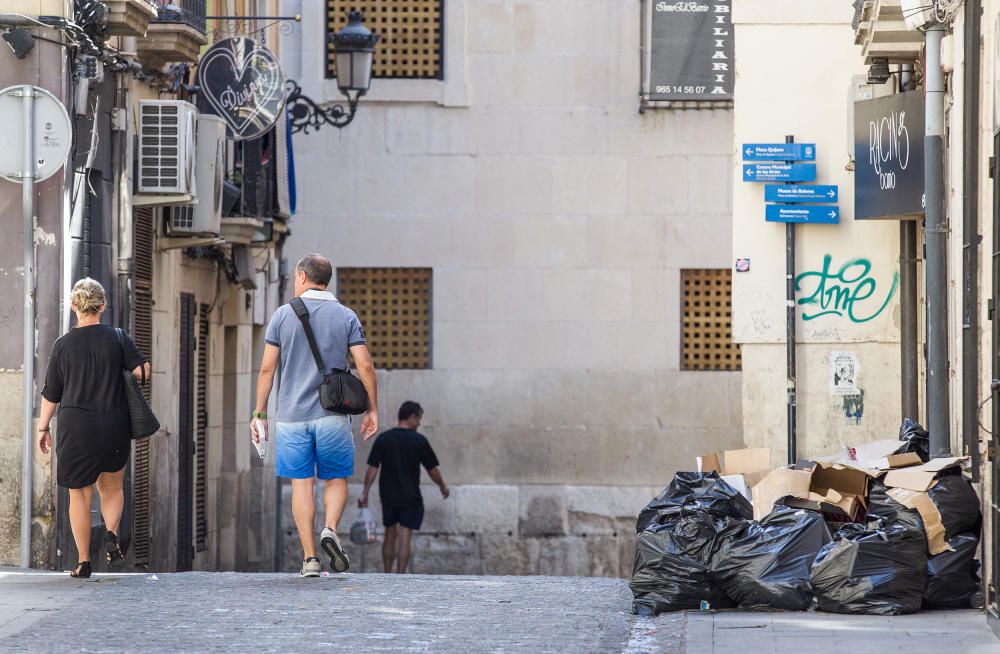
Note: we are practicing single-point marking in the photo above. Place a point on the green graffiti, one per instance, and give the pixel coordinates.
(843, 292)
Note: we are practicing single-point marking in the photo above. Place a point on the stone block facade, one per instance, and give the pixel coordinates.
(501, 530)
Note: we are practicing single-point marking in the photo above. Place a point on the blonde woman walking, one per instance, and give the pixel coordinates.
(84, 381)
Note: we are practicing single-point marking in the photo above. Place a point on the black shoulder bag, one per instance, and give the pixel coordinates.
(143, 420)
(340, 392)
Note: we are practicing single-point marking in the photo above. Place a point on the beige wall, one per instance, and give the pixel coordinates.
(557, 219)
(801, 89)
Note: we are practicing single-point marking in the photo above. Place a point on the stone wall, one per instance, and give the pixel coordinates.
(500, 530)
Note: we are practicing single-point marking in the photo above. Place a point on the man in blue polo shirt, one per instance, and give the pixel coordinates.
(312, 442)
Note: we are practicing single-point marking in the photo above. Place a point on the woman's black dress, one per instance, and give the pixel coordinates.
(85, 379)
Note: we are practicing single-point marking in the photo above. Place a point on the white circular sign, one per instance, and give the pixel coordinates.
(52, 136)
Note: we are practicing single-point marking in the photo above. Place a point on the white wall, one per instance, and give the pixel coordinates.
(794, 63)
(556, 218)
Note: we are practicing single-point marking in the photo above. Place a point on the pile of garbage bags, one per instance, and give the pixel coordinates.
(698, 546)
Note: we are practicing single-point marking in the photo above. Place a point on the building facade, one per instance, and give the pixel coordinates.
(540, 228)
(195, 298)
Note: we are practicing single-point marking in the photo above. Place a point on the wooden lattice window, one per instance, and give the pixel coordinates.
(707, 309)
(411, 31)
(394, 306)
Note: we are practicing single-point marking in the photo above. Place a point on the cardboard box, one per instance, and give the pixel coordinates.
(921, 478)
(741, 469)
(833, 488)
(875, 455)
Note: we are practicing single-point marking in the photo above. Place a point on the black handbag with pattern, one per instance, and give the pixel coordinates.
(141, 416)
(340, 391)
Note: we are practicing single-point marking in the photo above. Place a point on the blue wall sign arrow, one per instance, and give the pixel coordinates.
(778, 152)
(779, 172)
(784, 213)
(801, 193)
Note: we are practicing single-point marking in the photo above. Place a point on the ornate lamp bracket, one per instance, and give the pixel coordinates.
(305, 114)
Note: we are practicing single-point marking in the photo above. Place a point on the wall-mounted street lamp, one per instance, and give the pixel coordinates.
(354, 52)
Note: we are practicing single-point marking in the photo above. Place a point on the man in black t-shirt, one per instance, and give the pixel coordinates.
(400, 452)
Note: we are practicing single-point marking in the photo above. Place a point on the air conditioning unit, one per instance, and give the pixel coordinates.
(167, 143)
(918, 13)
(203, 218)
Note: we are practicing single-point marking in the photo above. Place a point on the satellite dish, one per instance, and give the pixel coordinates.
(52, 134)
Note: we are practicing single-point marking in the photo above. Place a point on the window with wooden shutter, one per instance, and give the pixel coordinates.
(707, 314)
(411, 31)
(394, 306)
(201, 432)
(142, 334)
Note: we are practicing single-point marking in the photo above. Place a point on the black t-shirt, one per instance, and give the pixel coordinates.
(400, 453)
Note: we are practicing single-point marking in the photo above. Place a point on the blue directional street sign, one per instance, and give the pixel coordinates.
(779, 152)
(785, 213)
(779, 172)
(801, 193)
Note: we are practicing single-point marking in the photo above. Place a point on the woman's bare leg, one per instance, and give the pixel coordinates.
(110, 486)
(80, 501)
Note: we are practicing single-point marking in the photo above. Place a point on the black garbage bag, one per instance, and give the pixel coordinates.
(957, 502)
(671, 563)
(915, 439)
(695, 490)
(889, 511)
(953, 577)
(768, 565)
(876, 572)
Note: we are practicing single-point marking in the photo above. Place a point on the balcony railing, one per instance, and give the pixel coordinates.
(189, 12)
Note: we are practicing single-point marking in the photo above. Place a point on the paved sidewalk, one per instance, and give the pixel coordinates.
(234, 612)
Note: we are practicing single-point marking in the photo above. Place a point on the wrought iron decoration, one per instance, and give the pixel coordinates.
(306, 115)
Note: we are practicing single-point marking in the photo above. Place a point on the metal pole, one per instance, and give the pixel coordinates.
(970, 237)
(938, 410)
(28, 210)
(909, 351)
(790, 330)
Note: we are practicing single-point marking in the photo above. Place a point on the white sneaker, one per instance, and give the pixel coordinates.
(310, 567)
(331, 545)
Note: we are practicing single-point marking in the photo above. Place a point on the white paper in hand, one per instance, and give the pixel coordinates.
(261, 442)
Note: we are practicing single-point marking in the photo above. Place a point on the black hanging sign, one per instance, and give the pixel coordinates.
(889, 156)
(691, 51)
(242, 83)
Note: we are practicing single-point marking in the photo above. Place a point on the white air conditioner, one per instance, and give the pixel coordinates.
(203, 218)
(167, 143)
(917, 13)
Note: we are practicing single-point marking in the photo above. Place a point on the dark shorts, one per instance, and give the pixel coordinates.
(410, 517)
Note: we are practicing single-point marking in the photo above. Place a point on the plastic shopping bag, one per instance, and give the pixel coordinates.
(363, 529)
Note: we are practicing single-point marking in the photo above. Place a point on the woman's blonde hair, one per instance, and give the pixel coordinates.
(88, 295)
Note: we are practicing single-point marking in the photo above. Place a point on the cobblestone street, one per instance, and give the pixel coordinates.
(231, 612)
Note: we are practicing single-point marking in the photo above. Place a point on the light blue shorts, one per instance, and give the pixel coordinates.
(321, 448)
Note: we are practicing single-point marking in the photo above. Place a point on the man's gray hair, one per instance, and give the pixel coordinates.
(317, 268)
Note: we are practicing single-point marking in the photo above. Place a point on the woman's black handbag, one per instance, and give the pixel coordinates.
(340, 391)
(144, 422)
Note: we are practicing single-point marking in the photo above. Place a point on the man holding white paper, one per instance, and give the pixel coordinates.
(311, 441)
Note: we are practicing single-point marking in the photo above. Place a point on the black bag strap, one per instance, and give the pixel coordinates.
(299, 307)
(121, 341)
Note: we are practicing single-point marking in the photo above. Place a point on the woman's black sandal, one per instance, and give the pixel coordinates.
(115, 555)
(81, 571)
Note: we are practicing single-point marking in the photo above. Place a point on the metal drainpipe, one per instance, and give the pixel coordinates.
(936, 238)
(909, 355)
(28, 208)
(970, 238)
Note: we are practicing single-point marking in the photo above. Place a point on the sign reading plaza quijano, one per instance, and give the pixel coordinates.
(691, 51)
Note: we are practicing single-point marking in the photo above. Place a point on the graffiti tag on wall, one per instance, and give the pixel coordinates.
(850, 292)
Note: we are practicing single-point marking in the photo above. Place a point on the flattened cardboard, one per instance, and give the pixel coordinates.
(740, 462)
(930, 515)
(897, 461)
(709, 463)
(778, 484)
(921, 478)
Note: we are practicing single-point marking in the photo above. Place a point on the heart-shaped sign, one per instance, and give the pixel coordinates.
(243, 84)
